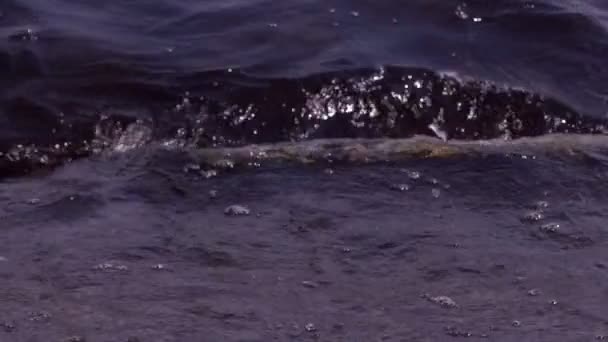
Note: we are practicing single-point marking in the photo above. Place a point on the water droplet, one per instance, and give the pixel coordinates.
(237, 210)
(436, 193)
(461, 11)
(439, 133)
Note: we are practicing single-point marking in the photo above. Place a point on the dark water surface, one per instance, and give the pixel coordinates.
(412, 171)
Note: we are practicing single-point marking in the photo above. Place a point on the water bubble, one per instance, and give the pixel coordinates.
(3, 259)
(159, 267)
(208, 173)
(27, 35)
(477, 19)
(310, 284)
(295, 330)
(8, 326)
(395, 21)
(191, 167)
(354, 13)
(400, 187)
(329, 171)
(108, 266)
(550, 227)
(516, 323)
(412, 174)
(436, 193)
(534, 216)
(213, 193)
(534, 292)
(40, 316)
(237, 210)
(273, 25)
(75, 339)
(443, 301)
(310, 327)
(224, 164)
(553, 302)
(541, 205)
(454, 332)
(332, 10)
(33, 201)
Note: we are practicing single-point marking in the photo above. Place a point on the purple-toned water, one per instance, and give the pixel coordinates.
(189, 171)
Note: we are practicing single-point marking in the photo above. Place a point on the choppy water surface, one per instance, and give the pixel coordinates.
(303, 170)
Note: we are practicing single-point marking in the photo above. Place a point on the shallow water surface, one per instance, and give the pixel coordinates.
(186, 171)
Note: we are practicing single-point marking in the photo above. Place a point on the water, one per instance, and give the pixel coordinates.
(303, 170)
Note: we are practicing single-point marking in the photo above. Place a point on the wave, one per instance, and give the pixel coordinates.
(228, 108)
(392, 150)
